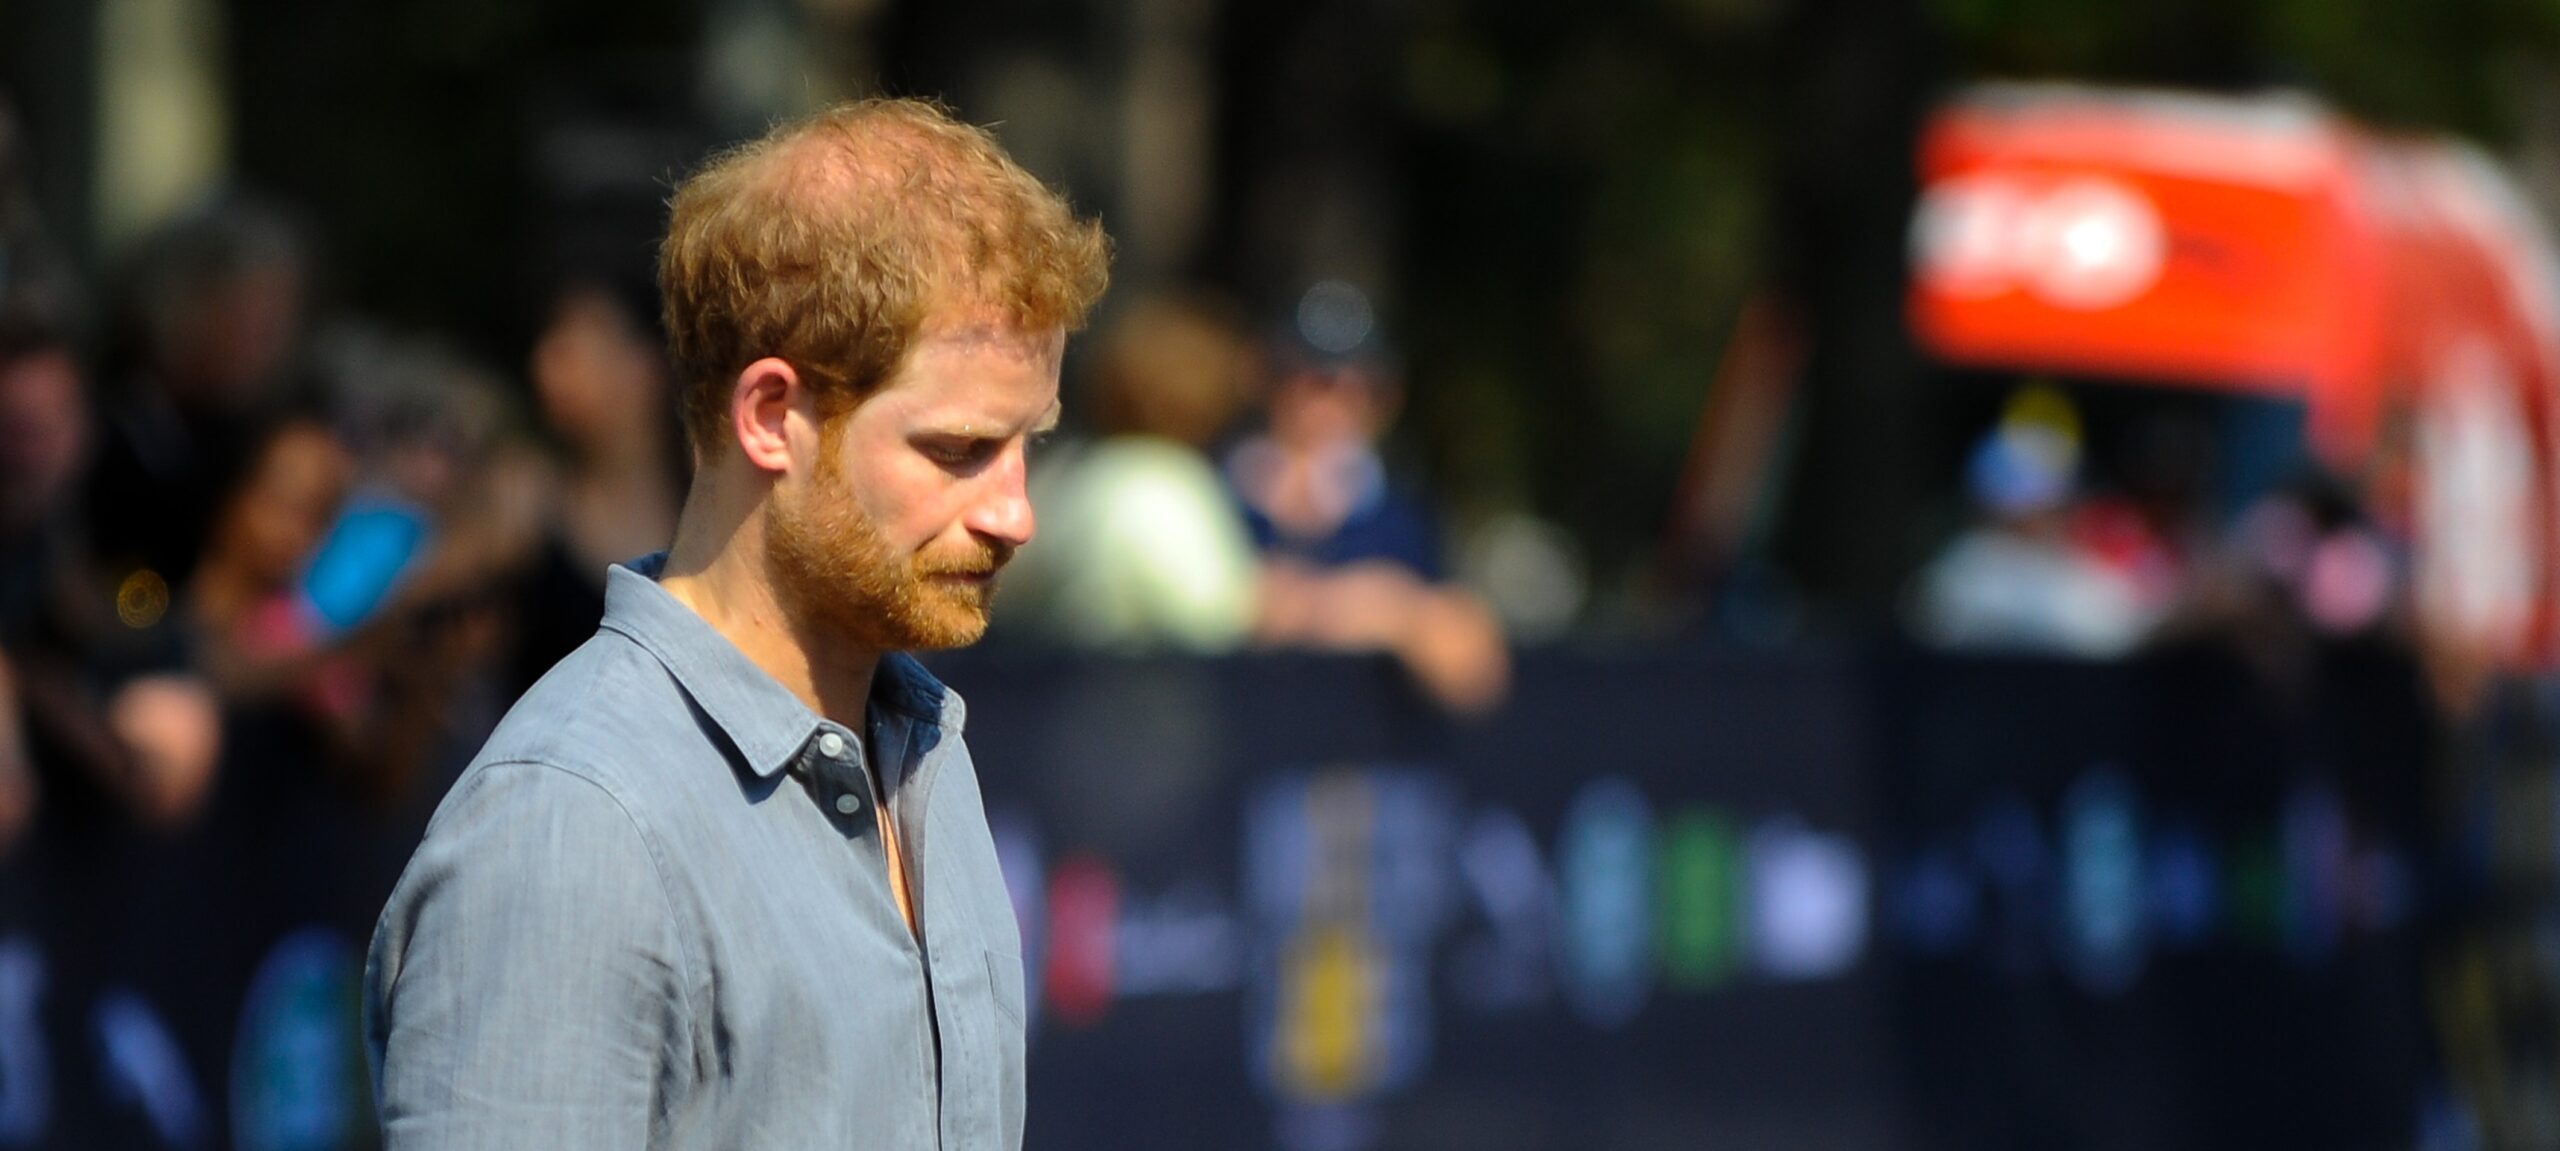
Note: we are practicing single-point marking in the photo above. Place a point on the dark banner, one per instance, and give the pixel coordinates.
(1868, 900)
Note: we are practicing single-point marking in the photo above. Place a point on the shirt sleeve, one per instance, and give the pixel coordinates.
(526, 986)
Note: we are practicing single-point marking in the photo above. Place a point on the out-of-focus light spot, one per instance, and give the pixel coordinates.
(1328, 1042)
(1808, 901)
(1335, 318)
(2475, 499)
(2347, 585)
(1702, 900)
(142, 599)
(288, 1088)
(2088, 244)
(2102, 900)
(1533, 573)
(1084, 911)
(1960, 235)
(2093, 244)
(1606, 852)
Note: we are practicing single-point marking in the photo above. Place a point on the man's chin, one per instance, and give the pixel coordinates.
(944, 635)
(955, 619)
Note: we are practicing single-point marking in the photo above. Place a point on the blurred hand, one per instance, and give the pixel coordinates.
(1447, 638)
(1455, 649)
(1286, 594)
(1367, 605)
(172, 727)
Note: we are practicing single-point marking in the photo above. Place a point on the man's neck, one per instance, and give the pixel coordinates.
(724, 584)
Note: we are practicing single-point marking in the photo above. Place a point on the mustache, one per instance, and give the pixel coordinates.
(986, 558)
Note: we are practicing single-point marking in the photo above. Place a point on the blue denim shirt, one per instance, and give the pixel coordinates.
(655, 913)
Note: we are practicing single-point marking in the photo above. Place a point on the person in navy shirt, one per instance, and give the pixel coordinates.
(1350, 561)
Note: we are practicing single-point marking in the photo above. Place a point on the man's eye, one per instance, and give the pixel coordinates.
(959, 452)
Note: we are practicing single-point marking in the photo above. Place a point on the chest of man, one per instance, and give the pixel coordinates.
(816, 1001)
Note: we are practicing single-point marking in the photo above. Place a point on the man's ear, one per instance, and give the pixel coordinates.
(760, 407)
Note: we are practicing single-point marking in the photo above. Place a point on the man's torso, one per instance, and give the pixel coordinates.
(653, 837)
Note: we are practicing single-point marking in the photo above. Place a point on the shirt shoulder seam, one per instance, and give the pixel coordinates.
(657, 865)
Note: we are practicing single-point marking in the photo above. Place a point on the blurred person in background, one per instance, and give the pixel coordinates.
(440, 442)
(1140, 546)
(2304, 565)
(265, 532)
(602, 385)
(444, 513)
(2045, 567)
(44, 437)
(1351, 562)
(623, 924)
(44, 443)
(259, 640)
(348, 596)
(108, 718)
(202, 345)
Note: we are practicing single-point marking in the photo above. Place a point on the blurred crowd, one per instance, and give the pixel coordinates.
(1167, 529)
(244, 533)
(239, 540)
(2201, 520)
(249, 541)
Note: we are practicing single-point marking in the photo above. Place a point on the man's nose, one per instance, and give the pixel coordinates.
(1003, 510)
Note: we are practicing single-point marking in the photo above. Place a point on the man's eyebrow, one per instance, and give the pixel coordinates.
(1048, 420)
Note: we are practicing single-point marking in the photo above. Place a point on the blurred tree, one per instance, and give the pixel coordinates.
(1586, 190)
(49, 78)
(1855, 77)
(2442, 65)
(408, 129)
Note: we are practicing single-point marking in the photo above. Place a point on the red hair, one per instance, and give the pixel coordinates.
(829, 241)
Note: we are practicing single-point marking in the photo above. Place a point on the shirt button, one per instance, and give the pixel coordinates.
(831, 745)
(848, 803)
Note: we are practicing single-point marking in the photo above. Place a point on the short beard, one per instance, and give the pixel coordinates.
(839, 581)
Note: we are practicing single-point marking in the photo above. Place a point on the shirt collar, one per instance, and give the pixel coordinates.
(766, 723)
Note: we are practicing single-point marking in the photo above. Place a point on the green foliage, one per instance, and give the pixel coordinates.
(1587, 193)
(2442, 65)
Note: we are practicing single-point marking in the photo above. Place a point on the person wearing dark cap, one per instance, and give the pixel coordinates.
(1350, 561)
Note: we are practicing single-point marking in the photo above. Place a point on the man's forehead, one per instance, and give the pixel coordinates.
(948, 369)
(989, 331)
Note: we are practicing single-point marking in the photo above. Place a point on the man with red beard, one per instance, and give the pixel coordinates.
(723, 879)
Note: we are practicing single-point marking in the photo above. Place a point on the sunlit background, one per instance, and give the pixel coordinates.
(1627, 574)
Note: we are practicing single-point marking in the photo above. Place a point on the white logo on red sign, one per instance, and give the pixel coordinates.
(2086, 243)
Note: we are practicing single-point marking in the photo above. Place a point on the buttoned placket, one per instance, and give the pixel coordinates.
(833, 765)
(838, 755)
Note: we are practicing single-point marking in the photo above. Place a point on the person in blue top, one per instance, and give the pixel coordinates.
(1350, 561)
